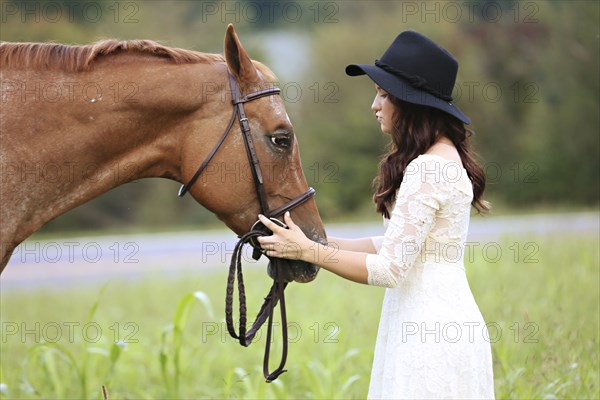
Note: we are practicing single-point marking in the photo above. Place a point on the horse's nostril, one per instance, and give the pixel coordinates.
(308, 274)
(291, 271)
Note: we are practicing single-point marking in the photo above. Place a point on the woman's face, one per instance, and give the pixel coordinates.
(383, 109)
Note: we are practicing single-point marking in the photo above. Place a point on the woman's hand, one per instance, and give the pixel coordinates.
(289, 243)
(293, 244)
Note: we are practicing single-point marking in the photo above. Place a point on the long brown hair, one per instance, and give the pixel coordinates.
(415, 129)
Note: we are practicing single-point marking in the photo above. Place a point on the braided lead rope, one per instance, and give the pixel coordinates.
(266, 311)
(279, 285)
(235, 268)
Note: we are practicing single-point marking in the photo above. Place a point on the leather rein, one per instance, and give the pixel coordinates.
(276, 293)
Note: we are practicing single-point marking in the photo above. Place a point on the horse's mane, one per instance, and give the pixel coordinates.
(81, 57)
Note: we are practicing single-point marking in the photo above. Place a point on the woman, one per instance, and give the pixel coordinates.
(432, 340)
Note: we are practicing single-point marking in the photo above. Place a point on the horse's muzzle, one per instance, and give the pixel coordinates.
(292, 270)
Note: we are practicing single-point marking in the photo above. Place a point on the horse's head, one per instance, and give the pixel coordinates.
(227, 186)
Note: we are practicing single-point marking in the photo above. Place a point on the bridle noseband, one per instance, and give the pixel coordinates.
(258, 229)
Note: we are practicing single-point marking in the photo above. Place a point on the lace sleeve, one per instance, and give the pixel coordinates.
(420, 196)
(377, 242)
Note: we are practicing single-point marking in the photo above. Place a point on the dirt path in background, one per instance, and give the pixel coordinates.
(60, 262)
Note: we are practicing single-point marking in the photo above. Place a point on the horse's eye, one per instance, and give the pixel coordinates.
(283, 141)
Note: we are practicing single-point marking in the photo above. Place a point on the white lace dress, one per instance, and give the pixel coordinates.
(432, 340)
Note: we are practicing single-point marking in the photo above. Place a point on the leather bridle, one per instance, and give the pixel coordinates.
(276, 292)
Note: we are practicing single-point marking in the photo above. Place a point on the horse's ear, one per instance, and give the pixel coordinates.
(238, 61)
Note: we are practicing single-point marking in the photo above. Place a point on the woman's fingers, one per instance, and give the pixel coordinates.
(265, 240)
(289, 222)
(266, 221)
(283, 243)
(270, 224)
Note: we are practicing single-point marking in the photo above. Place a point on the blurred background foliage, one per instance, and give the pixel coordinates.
(528, 78)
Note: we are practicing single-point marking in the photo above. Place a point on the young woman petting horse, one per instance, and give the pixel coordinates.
(432, 336)
(78, 121)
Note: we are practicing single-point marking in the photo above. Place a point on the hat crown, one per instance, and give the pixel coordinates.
(414, 54)
(416, 70)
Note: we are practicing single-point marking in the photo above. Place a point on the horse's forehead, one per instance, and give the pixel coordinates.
(279, 109)
(274, 110)
(274, 106)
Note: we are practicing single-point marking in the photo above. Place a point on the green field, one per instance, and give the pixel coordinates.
(539, 295)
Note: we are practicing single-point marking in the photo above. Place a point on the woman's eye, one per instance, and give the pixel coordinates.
(283, 141)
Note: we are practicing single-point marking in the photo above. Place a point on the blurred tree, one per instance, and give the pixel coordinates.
(535, 135)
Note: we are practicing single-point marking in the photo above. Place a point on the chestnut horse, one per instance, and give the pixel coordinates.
(77, 121)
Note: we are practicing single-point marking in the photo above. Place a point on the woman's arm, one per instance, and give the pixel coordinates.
(364, 245)
(420, 197)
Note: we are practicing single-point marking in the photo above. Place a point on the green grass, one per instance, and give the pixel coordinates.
(165, 337)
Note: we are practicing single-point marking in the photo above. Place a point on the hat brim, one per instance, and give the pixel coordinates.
(400, 88)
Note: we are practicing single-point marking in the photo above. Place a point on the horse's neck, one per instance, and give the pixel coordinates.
(107, 128)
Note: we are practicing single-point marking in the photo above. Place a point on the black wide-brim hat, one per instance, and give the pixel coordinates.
(417, 70)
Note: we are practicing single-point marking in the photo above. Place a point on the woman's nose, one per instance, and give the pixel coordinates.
(375, 105)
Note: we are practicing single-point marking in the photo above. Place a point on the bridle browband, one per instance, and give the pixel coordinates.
(276, 293)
